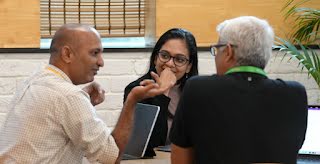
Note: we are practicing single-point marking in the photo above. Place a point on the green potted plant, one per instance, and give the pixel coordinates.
(306, 33)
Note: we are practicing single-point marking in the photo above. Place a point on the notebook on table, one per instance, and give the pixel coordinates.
(144, 121)
(310, 150)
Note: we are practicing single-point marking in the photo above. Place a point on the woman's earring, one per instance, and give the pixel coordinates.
(187, 75)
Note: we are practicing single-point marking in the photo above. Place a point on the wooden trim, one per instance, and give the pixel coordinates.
(19, 24)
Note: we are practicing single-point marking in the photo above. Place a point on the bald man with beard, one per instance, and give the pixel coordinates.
(52, 120)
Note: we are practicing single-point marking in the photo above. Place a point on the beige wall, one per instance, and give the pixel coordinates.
(19, 23)
(122, 68)
(19, 19)
(202, 16)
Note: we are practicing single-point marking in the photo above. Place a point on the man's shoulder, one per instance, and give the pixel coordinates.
(204, 83)
(208, 79)
(222, 82)
(202, 77)
(279, 83)
(55, 85)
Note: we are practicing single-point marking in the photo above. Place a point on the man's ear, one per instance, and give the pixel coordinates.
(66, 54)
(230, 57)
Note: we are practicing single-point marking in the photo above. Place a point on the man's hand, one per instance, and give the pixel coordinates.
(166, 80)
(148, 88)
(96, 93)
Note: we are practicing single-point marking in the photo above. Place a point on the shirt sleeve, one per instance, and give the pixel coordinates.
(85, 129)
(179, 134)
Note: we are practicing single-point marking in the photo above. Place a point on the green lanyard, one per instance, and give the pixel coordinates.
(250, 69)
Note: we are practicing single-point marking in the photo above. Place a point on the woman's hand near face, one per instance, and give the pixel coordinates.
(166, 80)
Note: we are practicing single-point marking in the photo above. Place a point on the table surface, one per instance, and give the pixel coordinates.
(161, 158)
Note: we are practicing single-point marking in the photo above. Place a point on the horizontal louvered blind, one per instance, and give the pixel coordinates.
(112, 18)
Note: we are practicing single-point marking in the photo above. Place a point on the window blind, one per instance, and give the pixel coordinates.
(112, 18)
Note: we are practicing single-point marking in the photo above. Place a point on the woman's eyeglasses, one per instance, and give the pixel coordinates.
(179, 60)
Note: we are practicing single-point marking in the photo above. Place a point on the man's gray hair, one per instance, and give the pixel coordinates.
(253, 38)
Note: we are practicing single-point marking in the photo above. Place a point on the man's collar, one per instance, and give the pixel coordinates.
(58, 72)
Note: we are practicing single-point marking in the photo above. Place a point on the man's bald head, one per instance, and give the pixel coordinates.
(77, 51)
(68, 35)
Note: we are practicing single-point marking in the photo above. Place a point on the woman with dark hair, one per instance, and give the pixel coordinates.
(174, 55)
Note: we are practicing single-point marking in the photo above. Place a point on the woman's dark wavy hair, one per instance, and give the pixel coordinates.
(178, 33)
